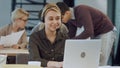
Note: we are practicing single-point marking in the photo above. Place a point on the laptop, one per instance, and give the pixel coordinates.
(82, 53)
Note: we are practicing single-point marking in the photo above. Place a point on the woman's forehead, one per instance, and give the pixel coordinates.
(53, 13)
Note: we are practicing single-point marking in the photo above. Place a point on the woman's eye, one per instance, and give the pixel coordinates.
(50, 18)
(57, 18)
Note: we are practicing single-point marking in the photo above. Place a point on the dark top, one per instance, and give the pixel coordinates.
(93, 21)
(41, 49)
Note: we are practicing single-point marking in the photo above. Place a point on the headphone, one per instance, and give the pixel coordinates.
(39, 15)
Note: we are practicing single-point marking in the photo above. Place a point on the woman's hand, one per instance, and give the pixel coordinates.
(1, 46)
(16, 46)
(55, 64)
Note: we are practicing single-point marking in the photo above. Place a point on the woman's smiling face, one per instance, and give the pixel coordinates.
(52, 20)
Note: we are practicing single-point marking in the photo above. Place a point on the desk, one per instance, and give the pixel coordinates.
(21, 66)
(31, 66)
(109, 66)
(18, 66)
(13, 52)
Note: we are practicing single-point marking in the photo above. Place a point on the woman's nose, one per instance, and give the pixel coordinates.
(55, 21)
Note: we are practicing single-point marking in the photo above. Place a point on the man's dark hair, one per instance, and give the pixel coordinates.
(63, 7)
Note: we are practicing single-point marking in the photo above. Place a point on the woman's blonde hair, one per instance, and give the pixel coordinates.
(47, 8)
(18, 13)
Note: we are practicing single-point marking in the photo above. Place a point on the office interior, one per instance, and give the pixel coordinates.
(109, 7)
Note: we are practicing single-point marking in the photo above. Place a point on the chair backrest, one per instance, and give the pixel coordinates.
(22, 58)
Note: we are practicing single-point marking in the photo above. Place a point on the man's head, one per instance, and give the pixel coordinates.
(65, 11)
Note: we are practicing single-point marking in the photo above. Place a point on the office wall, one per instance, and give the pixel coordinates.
(99, 4)
(53, 1)
(5, 9)
(117, 21)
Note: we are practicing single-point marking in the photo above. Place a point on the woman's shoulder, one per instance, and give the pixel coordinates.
(5, 29)
(6, 26)
(63, 34)
(38, 33)
(64, 28)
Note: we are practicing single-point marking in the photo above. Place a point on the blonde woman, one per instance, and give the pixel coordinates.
(19, 19)
(47, 45)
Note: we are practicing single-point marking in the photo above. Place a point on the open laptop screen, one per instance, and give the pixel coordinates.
(82, 53)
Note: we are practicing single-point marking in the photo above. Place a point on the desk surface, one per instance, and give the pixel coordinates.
(19, 66)
(31, 66)
(109, 66)
(13, 52)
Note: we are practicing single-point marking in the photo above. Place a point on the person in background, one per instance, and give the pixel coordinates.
(19, 19)
(47, 44)
(92, 24)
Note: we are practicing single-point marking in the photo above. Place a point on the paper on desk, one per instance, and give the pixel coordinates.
(36, 63)
(11, 39)
(3, 59)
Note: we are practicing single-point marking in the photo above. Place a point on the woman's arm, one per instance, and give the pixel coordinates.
(23, 41)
